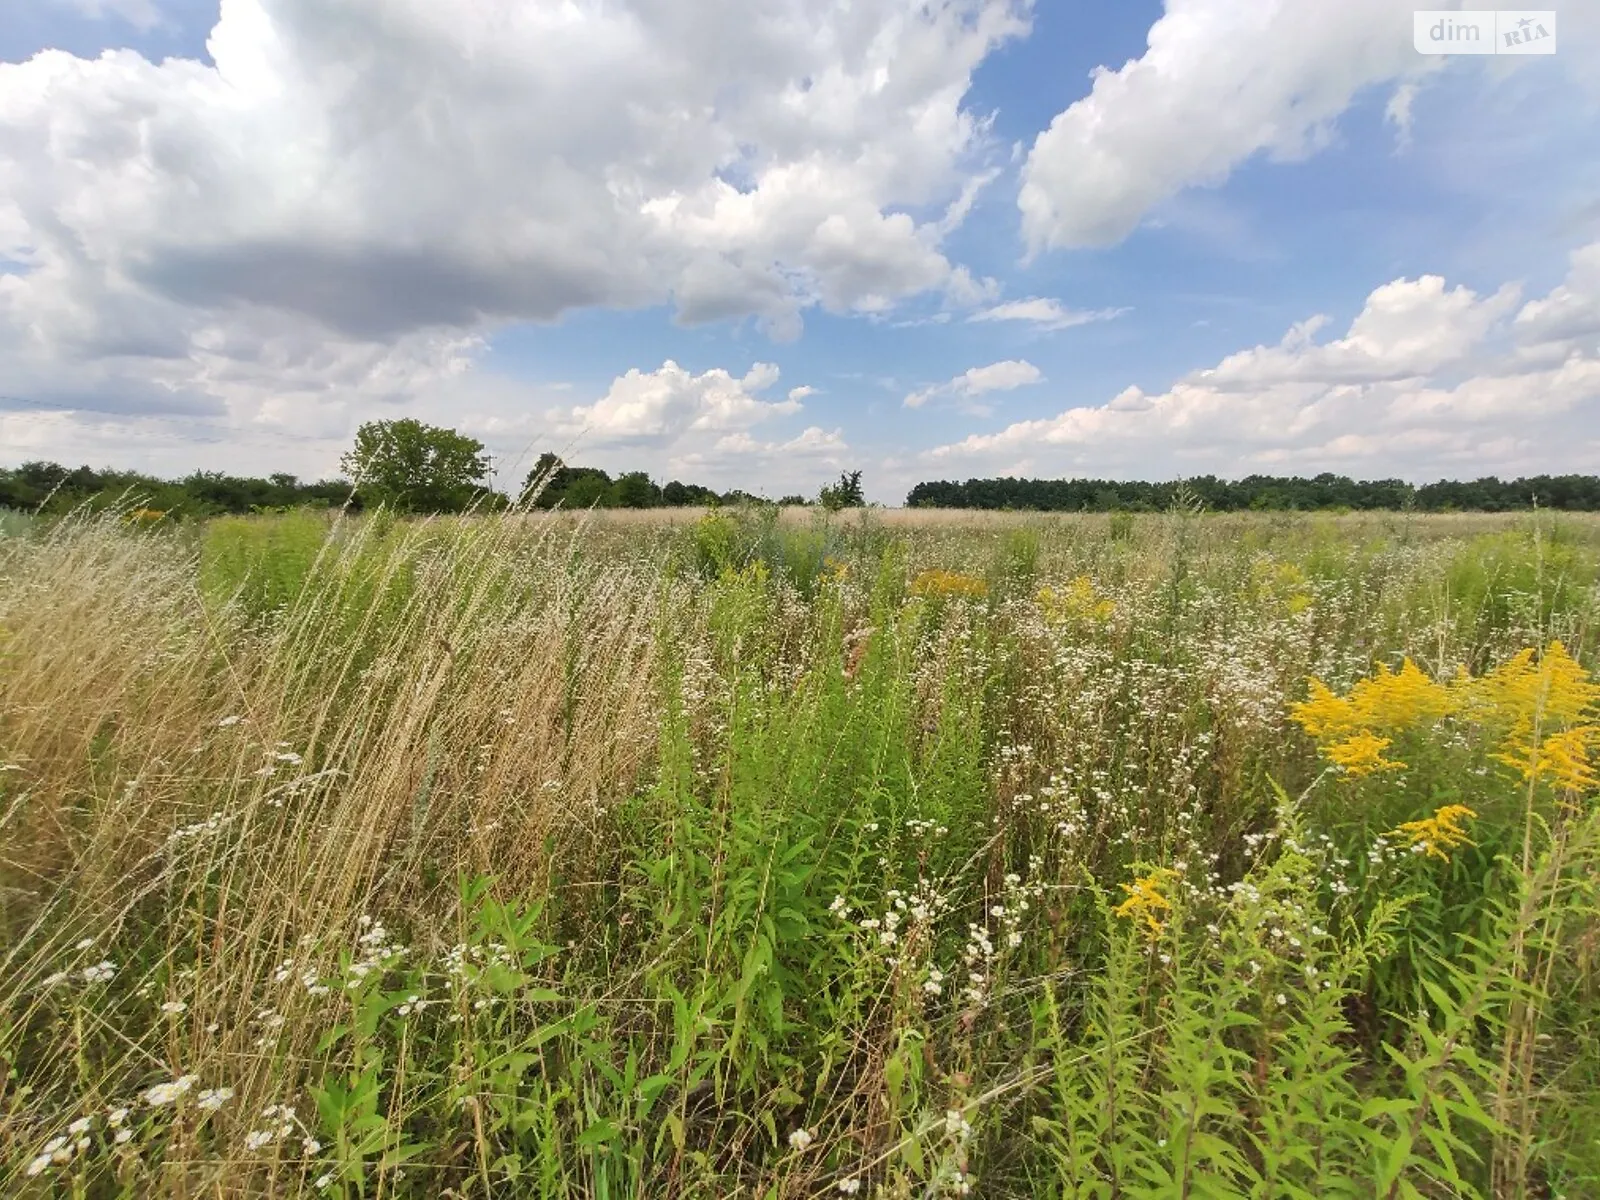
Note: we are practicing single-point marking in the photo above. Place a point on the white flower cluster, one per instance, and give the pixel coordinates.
(282, 1122)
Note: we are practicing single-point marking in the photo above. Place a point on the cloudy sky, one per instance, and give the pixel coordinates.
(754, 242)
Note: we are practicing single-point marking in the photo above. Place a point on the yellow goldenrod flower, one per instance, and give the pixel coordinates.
(1145, 902)
(1391, 701)
(1362, 754)
(1540, 708)
(949, 583)
(1564, 759)
(1324, 715)
(1078, 601)
(1440, 833)
(1400, 699)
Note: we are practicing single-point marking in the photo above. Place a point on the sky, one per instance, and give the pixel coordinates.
(754, 243)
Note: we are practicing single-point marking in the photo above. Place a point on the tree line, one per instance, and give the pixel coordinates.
(403, 465)
(1269, 493)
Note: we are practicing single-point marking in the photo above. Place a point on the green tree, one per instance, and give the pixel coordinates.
(414, 467)
(844, 494)
(634, 490)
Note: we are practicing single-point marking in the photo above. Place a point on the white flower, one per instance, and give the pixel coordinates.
(116, 1117)
(801, 1138)
(850, 1186)
(57, 979)
(214, 1098)
(169, 1093)
(257, 1138)
(229, 722)
(38, 1166)
(1282, 1000)
(123, 1137)
(312, 1145)
(81, 1125)
(100, 972)
(324, 1179)
(173, 1007)
(85, 944)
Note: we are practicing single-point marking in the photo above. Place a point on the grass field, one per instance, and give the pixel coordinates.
(900, 855)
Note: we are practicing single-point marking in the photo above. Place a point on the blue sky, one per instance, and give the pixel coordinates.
(755, 244)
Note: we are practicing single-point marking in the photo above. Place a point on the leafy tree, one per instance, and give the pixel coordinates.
(634, 490)
(793, 501)
(844, 494)
(415, 467)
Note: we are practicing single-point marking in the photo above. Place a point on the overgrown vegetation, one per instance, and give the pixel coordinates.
(781, 856)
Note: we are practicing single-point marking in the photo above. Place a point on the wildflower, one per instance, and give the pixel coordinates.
(38, 1166)
(85, 943)
(174, 1007)
(1145, 900)
(949, 583)
(1439, 834)
(116, 1117)
(81, 1125)
(124, 1136)
(257, 1138)
(100, 972)
(800, 1139)
(1564, 758)
(212, 1099)
(56, 979)
(312, 1145)
(1079, 601)
(1361, 754)
(324, 1180)
(957, 1125)
(169, 1093)
(229, 721)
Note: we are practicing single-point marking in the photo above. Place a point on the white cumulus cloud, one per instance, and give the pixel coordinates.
(1428, 380)
(357, 186)
(977, 381)
(1220, 81)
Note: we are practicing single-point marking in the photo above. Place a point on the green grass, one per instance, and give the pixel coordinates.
(524, 856)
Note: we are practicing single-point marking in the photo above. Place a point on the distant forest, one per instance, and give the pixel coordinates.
(1578, 493)
(59, 489)
(56, 488)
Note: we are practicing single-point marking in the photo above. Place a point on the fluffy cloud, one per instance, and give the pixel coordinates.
(358, 190)
(704, 427)
(1046, 314)
(1427, 380)
(1220, 81)
(661, 407)
(387, 167)
(977, 381)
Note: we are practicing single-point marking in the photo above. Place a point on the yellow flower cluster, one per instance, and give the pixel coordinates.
(1389, 700)
(1283, 580)
(145, 516)
(949, 583)
(1544, 711)
(1440, 833)
(1541, 706)
(1078, 601)
(1145, 903)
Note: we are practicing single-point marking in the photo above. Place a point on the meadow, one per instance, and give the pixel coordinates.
(744, 855)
